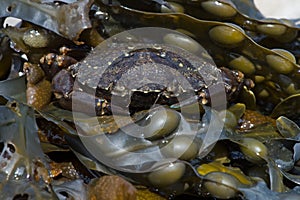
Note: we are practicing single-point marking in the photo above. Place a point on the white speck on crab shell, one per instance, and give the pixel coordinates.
(157, 47)
(109, 87)
(119, 93)
(120, 88)
(93, 85)
(180, 65)
(95, 67)
(163, 55)
(24, 56)
(109, 63)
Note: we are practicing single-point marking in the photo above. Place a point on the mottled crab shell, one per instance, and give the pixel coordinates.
(107, 67)
(145, 70)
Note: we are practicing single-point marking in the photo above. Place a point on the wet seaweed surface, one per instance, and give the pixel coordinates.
(56, 115)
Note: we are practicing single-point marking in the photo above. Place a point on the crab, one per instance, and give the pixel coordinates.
(137, 76)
